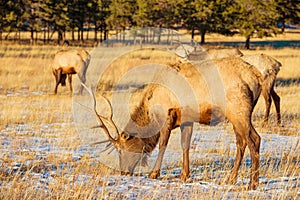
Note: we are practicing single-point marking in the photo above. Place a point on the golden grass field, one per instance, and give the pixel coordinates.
(39, 156)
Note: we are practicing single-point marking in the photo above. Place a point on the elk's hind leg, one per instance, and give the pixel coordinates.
(70, 82)
(186, 134)
(268, 102)
(276, 100)
(253, 142)
(83, 80)
(246, 135)
(241, 143)
(63, 79)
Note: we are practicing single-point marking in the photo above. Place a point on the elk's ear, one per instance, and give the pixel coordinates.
(125, 136)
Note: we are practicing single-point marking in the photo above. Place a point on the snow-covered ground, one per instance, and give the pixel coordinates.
(212, 155)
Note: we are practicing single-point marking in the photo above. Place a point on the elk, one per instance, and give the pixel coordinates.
(268, 67)
(241, 87)
(69, 62)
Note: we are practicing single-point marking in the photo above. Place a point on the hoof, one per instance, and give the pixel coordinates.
(154, 174)
(126, 173)
(184, 177)
(230, 181)
(252, 186)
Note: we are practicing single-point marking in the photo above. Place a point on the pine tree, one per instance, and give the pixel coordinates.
(289, 12)
(58, 17)
(121, 14)
(203, 15)
(143, 16)
(252, 18)
(5, 16)
(185, 11)
(11, 11)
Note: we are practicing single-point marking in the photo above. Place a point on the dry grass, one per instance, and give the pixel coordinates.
(31, 116)
(289, 58)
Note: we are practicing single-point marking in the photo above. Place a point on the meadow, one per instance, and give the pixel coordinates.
(41, 156)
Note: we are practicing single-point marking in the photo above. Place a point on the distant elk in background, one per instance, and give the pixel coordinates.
(68, 62)
(268, 67)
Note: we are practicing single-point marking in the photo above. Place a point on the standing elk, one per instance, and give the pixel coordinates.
(68, 62)
(268, 67)
(241, 87)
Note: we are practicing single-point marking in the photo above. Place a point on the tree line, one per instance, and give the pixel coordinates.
(249, 18)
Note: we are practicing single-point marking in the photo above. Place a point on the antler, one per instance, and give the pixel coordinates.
(186, 51)
(99, 118)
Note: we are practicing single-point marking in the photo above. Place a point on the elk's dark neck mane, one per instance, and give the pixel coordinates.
(142, 118)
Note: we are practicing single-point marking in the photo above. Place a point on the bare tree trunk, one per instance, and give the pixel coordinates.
(6, 37)
(159, 34)
(44, 40)
(36, 37)
(247, 44)
(60, 37)
(101, 34)
(87, 34)
(134, 38)
(283, 27)
(124, 34)
(203, 36)
(96, 34)
(105, 34)
(193, 33)
(31, 36)
(82, 34)
(48, 34)
(73, 35)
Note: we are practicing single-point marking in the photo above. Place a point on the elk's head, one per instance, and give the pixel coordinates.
(132, 149)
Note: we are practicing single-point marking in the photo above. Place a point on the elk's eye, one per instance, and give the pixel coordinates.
(125, 136)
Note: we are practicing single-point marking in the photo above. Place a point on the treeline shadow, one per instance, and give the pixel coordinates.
(272, 43)
(287, 81)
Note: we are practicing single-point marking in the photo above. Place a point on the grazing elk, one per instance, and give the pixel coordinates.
(241, 87)
(68, 62)
(268, 67)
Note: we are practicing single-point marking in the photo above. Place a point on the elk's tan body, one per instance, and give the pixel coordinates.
(234, 98)
(68, 62)
(267, 66)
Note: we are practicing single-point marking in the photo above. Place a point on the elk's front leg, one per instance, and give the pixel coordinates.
(172, 122)
(163, 142)
(186, 134)
(58, 75)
